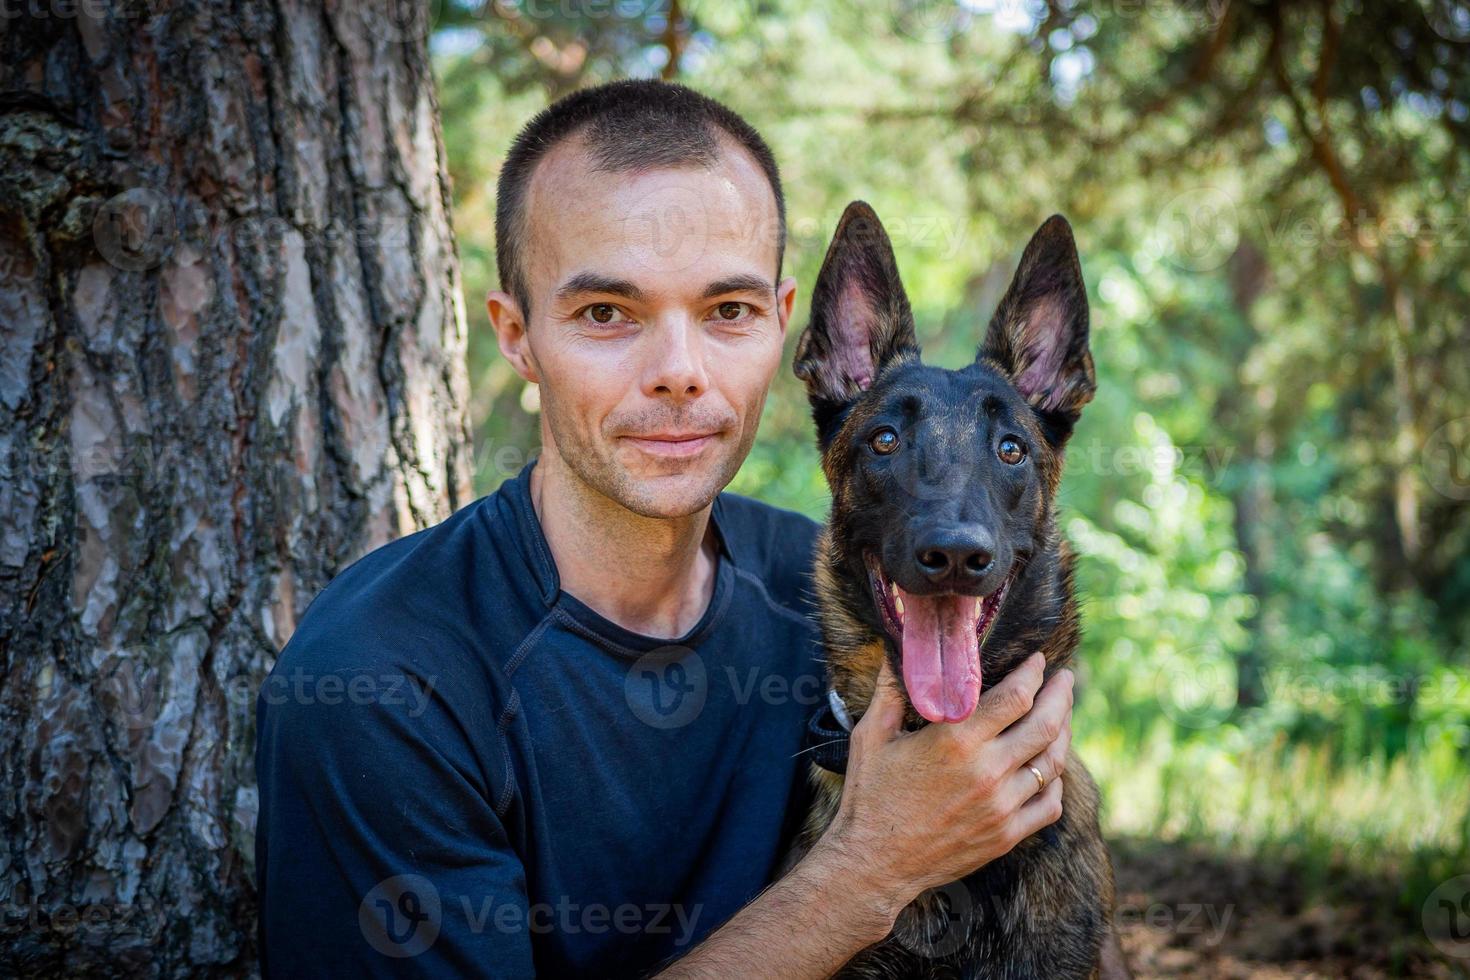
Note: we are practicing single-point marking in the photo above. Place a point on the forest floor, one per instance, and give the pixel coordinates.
(1187, 911)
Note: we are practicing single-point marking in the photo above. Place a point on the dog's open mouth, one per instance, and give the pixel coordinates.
(939, 638)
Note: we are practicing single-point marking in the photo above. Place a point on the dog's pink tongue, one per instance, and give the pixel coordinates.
(941, 655)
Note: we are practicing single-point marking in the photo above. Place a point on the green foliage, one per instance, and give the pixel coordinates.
(1270, 496)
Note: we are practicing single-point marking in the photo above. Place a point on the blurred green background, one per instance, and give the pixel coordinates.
(1270, 495)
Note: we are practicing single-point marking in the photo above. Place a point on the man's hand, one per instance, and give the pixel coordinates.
(918, 809)
(924, 808)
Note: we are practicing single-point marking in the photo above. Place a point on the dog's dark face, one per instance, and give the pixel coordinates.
(942, 481)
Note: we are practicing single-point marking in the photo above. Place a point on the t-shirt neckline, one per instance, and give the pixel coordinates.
(581, 617)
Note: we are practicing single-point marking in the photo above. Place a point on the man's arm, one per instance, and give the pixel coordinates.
(379, 851)
(807, 924)
(918, 809)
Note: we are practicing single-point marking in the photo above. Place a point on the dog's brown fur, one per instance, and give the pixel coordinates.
(1045, 909)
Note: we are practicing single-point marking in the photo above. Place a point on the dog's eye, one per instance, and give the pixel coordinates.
(884, 441)
(1011, 451)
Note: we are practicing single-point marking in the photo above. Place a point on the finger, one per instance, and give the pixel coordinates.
(1049, 714)
(884, 715)
(1051, 762)
(1003, 704)
(1042, 810)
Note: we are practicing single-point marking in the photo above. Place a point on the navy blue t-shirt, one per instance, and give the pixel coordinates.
(465, 771)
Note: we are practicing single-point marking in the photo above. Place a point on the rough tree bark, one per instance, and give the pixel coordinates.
(231, 362)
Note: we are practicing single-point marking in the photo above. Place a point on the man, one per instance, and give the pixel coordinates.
(606, 667)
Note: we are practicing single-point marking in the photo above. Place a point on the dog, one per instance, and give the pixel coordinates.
(943, 488)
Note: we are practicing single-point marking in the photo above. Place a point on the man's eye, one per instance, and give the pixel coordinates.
(732, 311)
(601, 313)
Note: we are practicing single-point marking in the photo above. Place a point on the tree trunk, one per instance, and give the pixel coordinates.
(1239, 410)
(231, 362)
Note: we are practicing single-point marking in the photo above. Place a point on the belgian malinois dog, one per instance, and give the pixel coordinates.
(942, 554)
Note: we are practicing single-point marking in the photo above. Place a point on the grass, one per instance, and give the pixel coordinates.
(1407, 818)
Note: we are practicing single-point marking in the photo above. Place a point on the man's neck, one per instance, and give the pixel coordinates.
(653, 576)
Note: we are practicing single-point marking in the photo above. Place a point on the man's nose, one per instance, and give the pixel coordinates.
(677, 360)
(955, 556)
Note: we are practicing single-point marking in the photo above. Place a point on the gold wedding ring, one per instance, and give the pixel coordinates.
(1040, 779)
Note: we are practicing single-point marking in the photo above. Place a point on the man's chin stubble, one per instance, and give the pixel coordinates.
(669, 496)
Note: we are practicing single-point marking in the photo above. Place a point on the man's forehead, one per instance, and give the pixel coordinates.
(690, 220)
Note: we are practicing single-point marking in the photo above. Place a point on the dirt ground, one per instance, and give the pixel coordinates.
(1187, 912)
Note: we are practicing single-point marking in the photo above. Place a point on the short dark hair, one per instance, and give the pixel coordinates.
(670, 126)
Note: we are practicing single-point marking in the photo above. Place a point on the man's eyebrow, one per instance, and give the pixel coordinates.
(592, 282)
(744, 283)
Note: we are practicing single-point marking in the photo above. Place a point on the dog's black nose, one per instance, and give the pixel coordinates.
(954, 556)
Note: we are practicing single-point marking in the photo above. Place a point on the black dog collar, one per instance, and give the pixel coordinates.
(827, 735)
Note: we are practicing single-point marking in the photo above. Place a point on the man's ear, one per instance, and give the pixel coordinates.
(510, 333)
(1038, 336)
(785, 301)
(860, 319)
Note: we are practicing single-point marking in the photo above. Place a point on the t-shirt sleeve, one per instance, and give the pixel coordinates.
(380, 851)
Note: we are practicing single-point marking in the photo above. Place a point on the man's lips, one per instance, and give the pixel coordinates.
(672, 444)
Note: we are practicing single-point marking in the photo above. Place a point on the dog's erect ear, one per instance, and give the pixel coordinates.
(860, 318)
(1038, 335)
